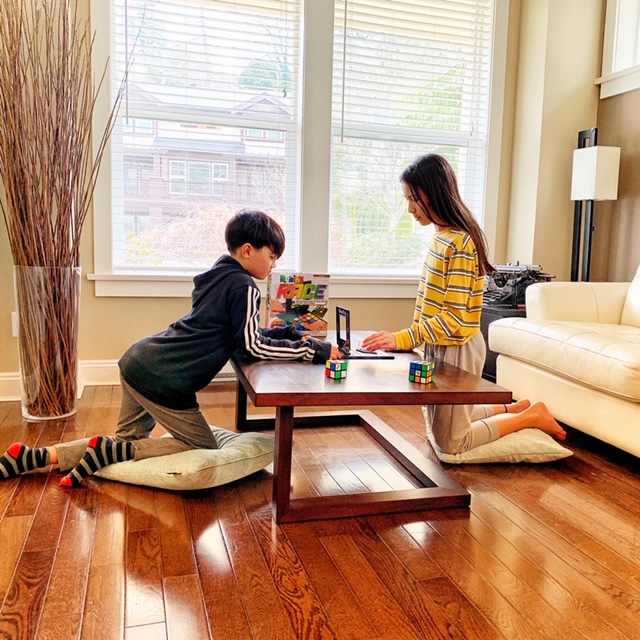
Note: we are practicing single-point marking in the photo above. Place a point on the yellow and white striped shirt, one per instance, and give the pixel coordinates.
(449, 301)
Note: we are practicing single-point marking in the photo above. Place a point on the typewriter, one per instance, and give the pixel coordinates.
(507, 285)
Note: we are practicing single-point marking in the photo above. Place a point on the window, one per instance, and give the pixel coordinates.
(136, 221)
(220, 125)
(220, 171)
(408, 78)
(177, 177)
(136, 126)
(258, 134)
(197, 178)
(192, 90)
(621, 50)
(137, 172)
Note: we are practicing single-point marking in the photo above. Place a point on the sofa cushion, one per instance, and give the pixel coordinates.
(577, 301)
(631, 309)
(604, 356)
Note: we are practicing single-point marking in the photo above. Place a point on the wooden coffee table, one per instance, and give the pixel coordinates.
(287, 385)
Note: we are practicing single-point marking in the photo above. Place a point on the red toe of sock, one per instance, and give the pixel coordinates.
(15, 449)
(67, 481)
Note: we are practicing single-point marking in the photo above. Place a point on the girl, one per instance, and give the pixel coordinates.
(448, 308)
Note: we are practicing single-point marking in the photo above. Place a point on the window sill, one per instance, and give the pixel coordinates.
(614, 84)
(168, 286)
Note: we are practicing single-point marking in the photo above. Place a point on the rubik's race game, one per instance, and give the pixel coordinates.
(300, 300)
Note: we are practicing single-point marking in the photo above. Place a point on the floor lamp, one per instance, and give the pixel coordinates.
(594, 177)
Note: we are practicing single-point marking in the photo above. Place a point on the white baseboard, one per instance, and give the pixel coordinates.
(97, 372)
(9, 386)
(90, 373)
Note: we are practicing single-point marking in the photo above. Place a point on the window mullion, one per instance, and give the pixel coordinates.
(316, 136)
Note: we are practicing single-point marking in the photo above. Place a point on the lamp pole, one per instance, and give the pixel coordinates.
(590, 136)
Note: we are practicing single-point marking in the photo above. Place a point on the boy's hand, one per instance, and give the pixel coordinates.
(335, 353)
(382, 340)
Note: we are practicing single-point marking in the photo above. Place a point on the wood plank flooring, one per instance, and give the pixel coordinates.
(545, 551)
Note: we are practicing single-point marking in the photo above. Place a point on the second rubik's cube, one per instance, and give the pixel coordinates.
(336, 369)
(421, 371)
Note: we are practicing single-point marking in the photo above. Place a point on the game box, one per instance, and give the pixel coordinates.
(298, 299)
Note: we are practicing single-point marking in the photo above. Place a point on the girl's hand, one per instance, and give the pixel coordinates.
(382, 340)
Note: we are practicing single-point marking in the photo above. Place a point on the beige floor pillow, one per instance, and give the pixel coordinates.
(528, 445)
(238, 455)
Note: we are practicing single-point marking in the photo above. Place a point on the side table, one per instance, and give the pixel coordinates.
(489, 314)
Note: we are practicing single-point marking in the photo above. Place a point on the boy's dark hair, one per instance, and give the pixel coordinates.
(432, 175)
(256, 228)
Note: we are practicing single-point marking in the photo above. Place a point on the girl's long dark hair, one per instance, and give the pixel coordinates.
(433, 176)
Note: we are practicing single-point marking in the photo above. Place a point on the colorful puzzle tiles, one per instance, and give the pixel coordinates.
(421, 371)
(336, 369)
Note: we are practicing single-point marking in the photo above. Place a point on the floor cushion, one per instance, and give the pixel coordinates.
(238, 455)
(527, 445)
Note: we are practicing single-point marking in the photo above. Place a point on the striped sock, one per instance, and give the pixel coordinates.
(101, 451)
(19, 459)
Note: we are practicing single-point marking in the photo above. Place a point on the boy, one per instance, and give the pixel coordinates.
(161, 374)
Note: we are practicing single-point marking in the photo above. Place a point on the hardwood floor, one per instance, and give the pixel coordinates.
(545, 551)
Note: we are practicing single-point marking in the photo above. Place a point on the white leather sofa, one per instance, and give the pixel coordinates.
(578, 350)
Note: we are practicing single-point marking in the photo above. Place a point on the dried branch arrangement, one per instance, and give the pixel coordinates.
(48, 169)
(48, 300)
(47, 101)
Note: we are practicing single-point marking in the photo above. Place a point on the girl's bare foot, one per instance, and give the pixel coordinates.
(518, 407)
(543, 420)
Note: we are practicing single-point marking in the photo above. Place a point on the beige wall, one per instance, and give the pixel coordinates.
(8, 352)
(554, 56)
(559, 57)
(616, 239)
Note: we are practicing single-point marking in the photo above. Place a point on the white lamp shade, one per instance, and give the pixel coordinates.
(595, 173)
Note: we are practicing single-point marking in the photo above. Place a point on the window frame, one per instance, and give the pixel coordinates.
(613, 83)
(314, 200)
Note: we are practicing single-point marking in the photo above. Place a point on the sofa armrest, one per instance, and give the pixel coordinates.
(577, 301)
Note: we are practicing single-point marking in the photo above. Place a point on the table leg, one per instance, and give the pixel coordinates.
(435, 490)
(282, 462)
(241, 407)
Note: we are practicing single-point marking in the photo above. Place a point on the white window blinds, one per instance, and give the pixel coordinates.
(213, 122)
(409, 77)
(209, 125)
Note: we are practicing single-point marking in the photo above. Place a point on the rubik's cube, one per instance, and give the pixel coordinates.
(336, 369)
(421, 371)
